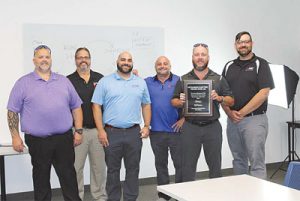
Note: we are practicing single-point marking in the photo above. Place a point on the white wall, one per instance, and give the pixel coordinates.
(274, 25)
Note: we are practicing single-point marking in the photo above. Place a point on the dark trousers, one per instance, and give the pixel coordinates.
(56, 150)
(161, 143)
(123, 144)
(193, 138)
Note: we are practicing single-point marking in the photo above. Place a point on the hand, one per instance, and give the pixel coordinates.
(182, 98)
(18, 144)
(178, 125)
(145, 132)
(214, 95)
(102, 136)
(235, 116)
(77, 139)
(135, 72)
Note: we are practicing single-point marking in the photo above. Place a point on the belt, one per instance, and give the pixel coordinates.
(110, 126)
(255, 113)
(202, 123)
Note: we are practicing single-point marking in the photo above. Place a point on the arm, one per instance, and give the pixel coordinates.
(224, 100)
(102, 135)
(78, 119)
(234, 115)
(13, 124)
(255, 102)
(146, 111)
(178, 102)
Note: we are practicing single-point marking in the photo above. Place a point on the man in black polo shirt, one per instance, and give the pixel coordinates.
(251, 80)
(202, 130)
(84, 81)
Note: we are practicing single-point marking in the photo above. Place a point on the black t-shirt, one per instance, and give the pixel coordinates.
(246, 78)
(218, 83)
(85, 91)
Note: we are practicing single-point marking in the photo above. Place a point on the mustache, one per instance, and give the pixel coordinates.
(126, 65)
(83, 62)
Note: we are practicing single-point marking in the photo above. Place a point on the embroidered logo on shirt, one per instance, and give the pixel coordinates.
(250, 68)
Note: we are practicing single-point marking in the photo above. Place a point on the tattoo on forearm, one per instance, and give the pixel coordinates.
(13, 122)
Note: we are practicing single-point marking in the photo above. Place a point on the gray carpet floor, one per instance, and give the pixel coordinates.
(148, 188)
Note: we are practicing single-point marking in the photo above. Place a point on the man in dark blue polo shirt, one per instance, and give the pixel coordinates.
(165, 123)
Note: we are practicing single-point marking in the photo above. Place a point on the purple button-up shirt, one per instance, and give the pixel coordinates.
(44, 106)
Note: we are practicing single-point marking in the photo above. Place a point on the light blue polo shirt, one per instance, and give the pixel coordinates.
(121, 99)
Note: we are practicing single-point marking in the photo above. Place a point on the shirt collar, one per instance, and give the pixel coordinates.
(53, 76)
(77, 76)
(192, 73)
(118, 77)
(170, 77)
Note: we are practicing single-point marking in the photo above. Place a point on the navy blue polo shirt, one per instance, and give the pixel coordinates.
(164, 115)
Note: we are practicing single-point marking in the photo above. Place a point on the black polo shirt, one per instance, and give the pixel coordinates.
(246, 78)
(218, 83)
(85, 91)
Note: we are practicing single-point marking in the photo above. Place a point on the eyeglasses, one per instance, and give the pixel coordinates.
(201, 44)
(82, 58)
(41, 47)
(243, 42)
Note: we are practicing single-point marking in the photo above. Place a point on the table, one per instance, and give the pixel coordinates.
(232, 188)
(6, 151)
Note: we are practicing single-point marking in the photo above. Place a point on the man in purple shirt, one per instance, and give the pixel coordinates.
(47, 103)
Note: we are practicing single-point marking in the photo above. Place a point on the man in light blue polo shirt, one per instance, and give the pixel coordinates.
(122, 96)
(165, 123)
(47, 103)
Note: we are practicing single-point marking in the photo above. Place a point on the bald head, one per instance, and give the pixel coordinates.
(124, 62)
(163, 66)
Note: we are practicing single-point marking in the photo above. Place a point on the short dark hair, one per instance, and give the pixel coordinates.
(41, 47)
(239, 35)
(82, 48)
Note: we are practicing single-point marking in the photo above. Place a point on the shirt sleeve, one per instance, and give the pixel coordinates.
(16, 97)
(75, 101)
(265, 78)
(224, 88)
(146, 95)
(98, 96)
(178, 89)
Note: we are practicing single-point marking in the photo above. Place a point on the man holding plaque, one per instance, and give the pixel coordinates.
(200, 92)
(251, 80)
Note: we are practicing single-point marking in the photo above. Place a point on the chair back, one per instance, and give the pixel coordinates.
(292, 177)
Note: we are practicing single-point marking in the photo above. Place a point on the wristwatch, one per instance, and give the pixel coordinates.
(79, 131)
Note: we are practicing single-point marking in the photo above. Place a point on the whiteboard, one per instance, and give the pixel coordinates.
(104, 42)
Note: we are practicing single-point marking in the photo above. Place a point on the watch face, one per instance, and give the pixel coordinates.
(79, 131)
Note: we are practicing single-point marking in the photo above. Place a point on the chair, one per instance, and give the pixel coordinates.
(292, 177)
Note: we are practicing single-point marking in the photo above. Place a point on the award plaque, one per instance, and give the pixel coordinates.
(197, 98)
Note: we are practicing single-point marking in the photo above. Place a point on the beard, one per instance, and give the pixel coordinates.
(83, 68)
(200, 68)
(123, 70)
(246, 51)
